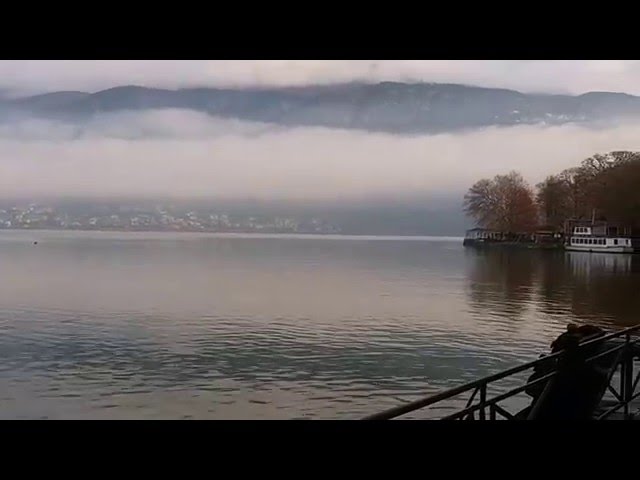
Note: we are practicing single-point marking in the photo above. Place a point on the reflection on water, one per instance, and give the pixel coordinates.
(96, 325)
(596, 288)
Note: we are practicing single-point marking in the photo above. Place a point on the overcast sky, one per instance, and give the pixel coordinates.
(187, 153)
(555, 76)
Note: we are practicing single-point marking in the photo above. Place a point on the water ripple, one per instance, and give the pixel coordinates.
(215, 327)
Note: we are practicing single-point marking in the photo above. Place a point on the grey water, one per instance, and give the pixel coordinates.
(203, 326)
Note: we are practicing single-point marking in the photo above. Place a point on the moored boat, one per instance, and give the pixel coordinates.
(582, 239)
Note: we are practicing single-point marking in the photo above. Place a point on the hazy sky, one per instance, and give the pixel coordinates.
(190, 154)
(573, 76)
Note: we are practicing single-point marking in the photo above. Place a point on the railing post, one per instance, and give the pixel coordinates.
(483, 400)
(627, 376)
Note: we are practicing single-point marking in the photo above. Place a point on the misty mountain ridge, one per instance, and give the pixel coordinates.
(392, 107)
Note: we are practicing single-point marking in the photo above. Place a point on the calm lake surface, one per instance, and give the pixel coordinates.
(161, 325)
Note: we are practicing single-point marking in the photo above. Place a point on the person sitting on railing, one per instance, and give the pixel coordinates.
(572, 336)
(578, 386)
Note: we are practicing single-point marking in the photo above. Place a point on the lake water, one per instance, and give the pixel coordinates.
(161, 325)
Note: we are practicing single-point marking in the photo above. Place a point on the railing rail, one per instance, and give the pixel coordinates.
(624, 362)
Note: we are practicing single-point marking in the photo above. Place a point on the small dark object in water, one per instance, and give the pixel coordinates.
(35, 243)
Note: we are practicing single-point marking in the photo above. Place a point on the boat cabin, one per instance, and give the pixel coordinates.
(583, 239)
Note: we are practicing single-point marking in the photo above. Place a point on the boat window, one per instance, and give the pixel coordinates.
(615, 241)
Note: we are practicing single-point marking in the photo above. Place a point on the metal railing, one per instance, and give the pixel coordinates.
(626, 351)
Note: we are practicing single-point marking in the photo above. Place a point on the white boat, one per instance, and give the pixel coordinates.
(582, 240)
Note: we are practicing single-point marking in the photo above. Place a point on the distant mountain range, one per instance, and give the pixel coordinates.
(392, 107)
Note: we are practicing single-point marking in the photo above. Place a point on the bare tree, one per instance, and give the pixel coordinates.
(616, 194)
(607, 185)
(594, 186)
(575, 184)
(554, 201)
(504, 203)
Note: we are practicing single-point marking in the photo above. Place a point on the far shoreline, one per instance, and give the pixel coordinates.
(212, 234)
